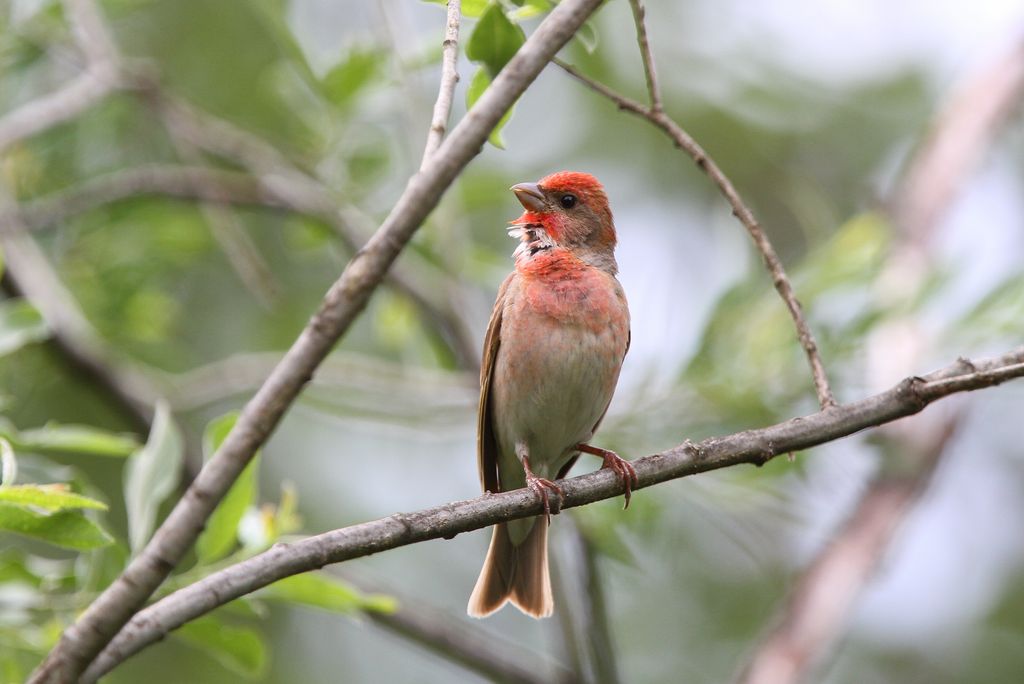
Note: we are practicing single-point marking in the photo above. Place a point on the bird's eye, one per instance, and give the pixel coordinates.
(568, 200)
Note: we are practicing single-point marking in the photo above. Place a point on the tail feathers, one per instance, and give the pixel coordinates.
(515, 573)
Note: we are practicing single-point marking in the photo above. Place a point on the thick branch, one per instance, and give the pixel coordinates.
(752, 446)
(449, 77)
(343, 302)
(685, 142)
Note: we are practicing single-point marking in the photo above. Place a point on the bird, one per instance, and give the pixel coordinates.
(554, 346)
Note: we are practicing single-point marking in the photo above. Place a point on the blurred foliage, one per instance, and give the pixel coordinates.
(389, 425)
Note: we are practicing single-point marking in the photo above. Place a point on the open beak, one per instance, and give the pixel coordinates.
(530, 196)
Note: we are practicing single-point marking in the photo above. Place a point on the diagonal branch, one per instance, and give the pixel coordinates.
(449, 77)
(346, 298)
(759, 446)
(653, 91)
(685, 142)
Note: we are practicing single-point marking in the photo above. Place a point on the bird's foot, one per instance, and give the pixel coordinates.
(543, 488)
(621, 467)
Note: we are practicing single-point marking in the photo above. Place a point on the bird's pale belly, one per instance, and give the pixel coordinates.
(554, 395)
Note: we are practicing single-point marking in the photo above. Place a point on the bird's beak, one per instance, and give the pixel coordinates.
(529, 195)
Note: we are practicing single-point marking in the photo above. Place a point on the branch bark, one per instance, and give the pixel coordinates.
(910, 396)
(346, 298)
(449, 77)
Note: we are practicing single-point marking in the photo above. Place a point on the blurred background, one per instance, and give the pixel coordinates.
(314, 113)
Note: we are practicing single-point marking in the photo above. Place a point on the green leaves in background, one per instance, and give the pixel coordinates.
(320, 590)
(360, 68)
(494, 41)
(476, 88)
(20, 324)
(71, 439)
(47, 497)
(469, 8)
(240, 649)
(221, 533)
(151, 474)
(51, 513)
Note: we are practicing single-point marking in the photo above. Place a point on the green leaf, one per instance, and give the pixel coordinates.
(221, 532)
(470, 8)
(49, 497)
(20, 324)
(587, 37)
(70, 529)
(358, 69)
(76, 439)
(240, 649)
(531, 8)
(8, 464)
(476, 88)
(320, 590)
(494, 40)
(151, 474)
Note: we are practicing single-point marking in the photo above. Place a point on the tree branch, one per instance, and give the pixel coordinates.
(449, 77)
(685, 142)
(653, 91)
(759, 446)
(346, 298)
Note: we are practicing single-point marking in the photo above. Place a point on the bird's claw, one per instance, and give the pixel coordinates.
(541, 487)
(618, 465)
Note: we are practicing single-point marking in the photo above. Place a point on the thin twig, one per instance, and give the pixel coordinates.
(346, 298)
(449, 77)
(28, 274)
(685, 142)
(759, 446)
(204, 183)
(238, 247)
(270, 190)
(653, 91)
(97, 81)
(91, 35)
(52, 109)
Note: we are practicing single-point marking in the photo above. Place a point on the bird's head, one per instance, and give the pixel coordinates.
(566, 209)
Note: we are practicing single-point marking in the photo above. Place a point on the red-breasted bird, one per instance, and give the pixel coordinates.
(552, 353)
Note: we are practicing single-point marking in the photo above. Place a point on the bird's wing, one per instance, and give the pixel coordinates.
(486, 442)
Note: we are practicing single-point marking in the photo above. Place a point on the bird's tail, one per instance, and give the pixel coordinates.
(516, 573)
